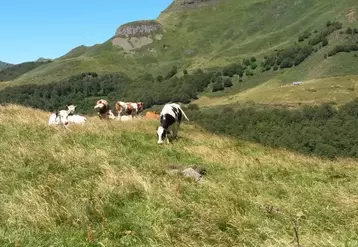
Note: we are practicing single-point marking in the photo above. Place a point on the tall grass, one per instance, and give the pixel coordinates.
(105, 184)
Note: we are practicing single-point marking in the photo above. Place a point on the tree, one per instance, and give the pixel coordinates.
(160, 78)
(286, 63)
(218, 86)
(185, 71)
(172, 72)
(324, 42)
(228, 82)
(253, 66)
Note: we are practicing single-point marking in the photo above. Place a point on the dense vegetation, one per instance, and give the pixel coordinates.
(84, 89)
(320, 130)
(15, 71)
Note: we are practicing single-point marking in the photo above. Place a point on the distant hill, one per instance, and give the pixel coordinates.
(13, 72)
(4, 65)
(204, 34)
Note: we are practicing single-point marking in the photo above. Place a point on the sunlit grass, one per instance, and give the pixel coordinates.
(106, 183)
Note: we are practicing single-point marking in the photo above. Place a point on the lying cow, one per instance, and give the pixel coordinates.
(151, 115)
(63, 117)
(129, 108)
(102, 107)
(170, 119)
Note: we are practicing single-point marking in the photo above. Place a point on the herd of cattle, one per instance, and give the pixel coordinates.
(170, 117)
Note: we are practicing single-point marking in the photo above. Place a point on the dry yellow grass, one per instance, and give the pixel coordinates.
(110, 177)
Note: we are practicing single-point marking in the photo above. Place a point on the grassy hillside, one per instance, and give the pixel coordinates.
(17, 70)
(105, 184)
(4, 65)
(337, 90)
(215, 35)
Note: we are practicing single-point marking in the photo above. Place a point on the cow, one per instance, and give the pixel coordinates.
(151, 115)
(129, 108)
(64, 117)
(102, 107)
(170, 120)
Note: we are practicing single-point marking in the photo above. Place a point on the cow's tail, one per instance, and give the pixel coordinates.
(184, 114)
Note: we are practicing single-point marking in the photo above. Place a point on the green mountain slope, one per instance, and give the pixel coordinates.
(208, 34)
(4, 65)
(17, 70)
(109, 184)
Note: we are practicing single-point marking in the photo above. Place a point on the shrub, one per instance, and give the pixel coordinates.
(324, 42)
(286, 63)
(227, 82)
(253, 59)
(349, 30)
(185, 71)
(253, 66)
(218, 86)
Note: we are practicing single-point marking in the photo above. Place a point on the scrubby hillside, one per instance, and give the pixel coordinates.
(106, 184)
(203, 34)
(4, 65)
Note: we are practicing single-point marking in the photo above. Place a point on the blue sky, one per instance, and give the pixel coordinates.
(41, 28)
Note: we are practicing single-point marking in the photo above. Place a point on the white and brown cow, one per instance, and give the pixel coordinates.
(170, 120)
(102, 107)
(129, 108)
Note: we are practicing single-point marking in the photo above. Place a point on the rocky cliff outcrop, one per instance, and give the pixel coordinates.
(139, 28)
(137, 34)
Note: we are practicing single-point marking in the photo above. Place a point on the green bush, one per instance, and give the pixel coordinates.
(217, 86)
(227, 82)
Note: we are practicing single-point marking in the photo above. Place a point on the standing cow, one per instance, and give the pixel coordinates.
(170, 119)
(102, 107)
(129, 108)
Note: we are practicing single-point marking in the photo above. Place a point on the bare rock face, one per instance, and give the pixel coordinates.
(135, 35)
(139, 28)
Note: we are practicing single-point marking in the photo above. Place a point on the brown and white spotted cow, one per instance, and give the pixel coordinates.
(129, 108)
(102, 107)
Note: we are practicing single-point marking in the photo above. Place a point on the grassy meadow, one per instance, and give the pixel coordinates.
(337, 90)
(105, 184)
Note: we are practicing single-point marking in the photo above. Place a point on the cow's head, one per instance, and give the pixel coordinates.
(100, 105)
(71, 108)
(62, 117)
(162, 134)
(140, 106)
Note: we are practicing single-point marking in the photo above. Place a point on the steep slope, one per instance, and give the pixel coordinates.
(203, 34)
(4, 65)
(17, 70)
(107, 184)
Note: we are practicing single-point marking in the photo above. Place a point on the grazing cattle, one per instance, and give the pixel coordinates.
(170, 119)
(102, 107)
(129, 108)
(152, 115)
